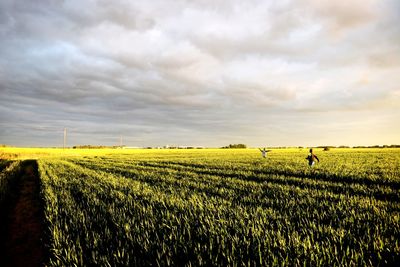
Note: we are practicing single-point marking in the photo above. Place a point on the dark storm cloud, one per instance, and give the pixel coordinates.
(199, 72)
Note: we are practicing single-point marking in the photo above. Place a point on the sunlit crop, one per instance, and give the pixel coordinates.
(223, 207)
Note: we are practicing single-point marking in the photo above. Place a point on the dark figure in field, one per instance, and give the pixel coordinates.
(264, 152)
(311, 158)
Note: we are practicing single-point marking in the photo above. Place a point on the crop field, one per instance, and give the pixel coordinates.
(217, 207)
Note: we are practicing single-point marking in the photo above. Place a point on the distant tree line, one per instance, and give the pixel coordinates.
(327, 148)
(235, 146)
(378, 146)
(93, 147)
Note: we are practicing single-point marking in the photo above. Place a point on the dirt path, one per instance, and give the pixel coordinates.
(21, 236)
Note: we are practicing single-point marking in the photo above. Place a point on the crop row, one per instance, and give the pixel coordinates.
(226, 211)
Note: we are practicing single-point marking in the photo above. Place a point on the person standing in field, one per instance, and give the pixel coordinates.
(264, 152)
(311, 158)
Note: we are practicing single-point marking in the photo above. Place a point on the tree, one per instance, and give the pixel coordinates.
(235, 146)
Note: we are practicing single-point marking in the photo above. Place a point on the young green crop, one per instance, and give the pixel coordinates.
(222, 207)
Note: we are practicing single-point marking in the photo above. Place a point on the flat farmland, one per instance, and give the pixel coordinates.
(221, 207)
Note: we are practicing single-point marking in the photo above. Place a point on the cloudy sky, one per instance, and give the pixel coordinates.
(209, 73)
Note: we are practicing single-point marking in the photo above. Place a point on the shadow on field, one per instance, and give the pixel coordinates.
(321, 176)
(336, 182)
(22, 220)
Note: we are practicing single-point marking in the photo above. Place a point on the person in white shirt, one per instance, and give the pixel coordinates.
(264, 152)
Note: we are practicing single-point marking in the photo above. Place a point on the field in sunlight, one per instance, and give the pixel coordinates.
(217, 207)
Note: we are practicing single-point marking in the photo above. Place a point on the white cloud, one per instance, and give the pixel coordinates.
(170, 71)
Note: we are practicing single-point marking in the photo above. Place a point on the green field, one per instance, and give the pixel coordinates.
(217, 207)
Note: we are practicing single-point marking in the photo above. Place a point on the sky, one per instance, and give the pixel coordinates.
(200, 73)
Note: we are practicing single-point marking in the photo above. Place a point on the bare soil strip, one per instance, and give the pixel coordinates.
(21, 223)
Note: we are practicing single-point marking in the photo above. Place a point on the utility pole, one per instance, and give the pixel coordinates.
(65, 138)
(120, 141)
